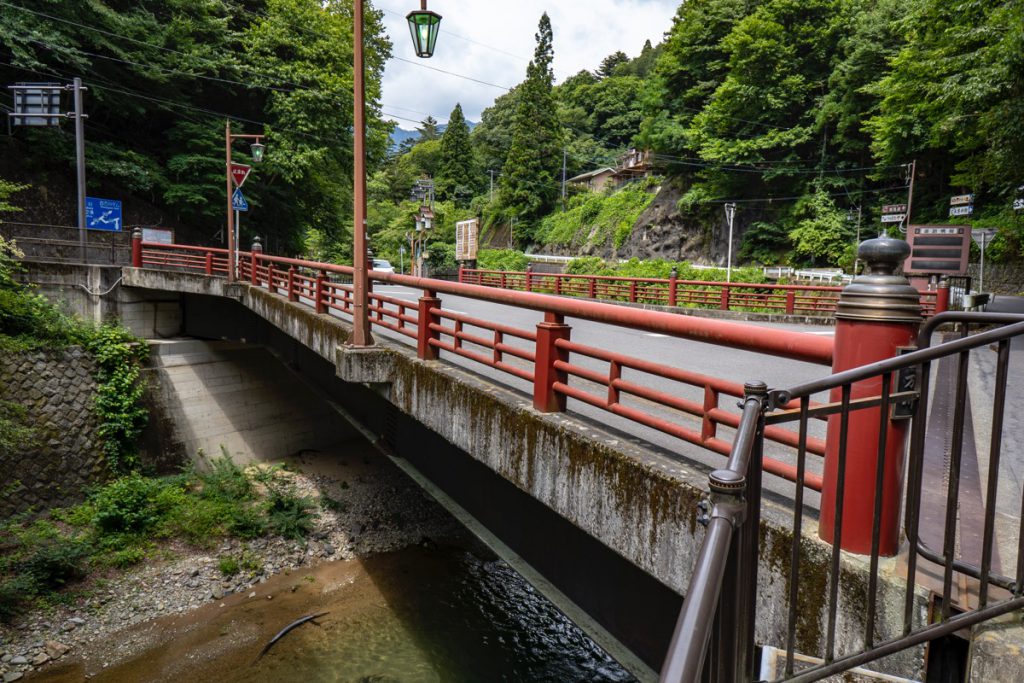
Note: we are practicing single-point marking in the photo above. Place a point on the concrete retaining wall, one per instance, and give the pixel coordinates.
(57, 389)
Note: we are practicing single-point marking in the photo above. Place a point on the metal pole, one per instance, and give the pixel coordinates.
(238, 239)
(80, 162)
(910, 193)
(360, 321)
(981, 282)
(563, 177)
(231, 223)
(730, 212)
(491, 197)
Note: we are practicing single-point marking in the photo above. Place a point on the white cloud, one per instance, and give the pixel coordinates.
(493, 42)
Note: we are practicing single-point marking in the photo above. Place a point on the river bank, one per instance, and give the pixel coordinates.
(373, 508)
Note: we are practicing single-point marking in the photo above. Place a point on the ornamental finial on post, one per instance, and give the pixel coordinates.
(880, 294)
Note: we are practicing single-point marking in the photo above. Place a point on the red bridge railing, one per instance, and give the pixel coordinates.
(809, 300)
(651, 394)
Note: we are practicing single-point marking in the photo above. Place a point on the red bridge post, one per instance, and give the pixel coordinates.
(877, 314)
(424, 349)
(137, 248)
(672, 278)
(208, 265)
(545, 374)
(293, 294)
(320, 303)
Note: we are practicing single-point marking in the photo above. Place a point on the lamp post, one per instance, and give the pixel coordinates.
(257, 150)
(424, 26)
(730, 213)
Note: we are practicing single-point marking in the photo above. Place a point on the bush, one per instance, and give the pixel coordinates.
(289, 515)
(502, 259)
(597, 218)
(133, 504)
(54, 564)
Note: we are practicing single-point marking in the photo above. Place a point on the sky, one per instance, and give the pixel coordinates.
(492, 41)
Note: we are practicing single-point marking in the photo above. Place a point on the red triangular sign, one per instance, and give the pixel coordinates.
(240, 172)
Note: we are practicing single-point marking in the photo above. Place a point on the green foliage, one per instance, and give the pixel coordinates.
(7, 189)
(455, 174)
(529, 182)
(119, 394)
(170, 71)
(597, 218)
(502, 259)
(119, 522)
(14, 433)
(228, 565)
(824, 235)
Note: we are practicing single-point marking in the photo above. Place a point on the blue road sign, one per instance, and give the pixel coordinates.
(102, 214)
(238, 202)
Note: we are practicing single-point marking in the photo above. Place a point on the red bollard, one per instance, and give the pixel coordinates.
(942, 297)
(208, 266)
(137, 248)
(672, 294)
(877, 314)
(545, 375)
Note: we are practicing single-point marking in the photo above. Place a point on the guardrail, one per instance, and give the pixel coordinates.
(809, 300)
(721, 606)
(546, 357)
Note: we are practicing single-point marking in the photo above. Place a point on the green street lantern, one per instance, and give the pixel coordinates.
(424, 26)
(257, 149)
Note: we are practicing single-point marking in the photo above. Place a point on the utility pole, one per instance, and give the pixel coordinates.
(80, 163)
(730, 214)
(564, 157)
(360, 280)
(491, 172)
(910, 195)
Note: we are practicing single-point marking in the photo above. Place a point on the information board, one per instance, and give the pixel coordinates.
(466, 239)
(938, 249)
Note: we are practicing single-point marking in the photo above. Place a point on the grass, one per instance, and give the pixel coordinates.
(122, 523)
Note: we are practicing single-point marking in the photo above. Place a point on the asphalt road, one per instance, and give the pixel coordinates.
(730, 364)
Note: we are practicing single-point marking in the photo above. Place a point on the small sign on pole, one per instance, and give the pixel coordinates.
(961, 210)
(894, 217)
(894, 208)
(961, 200)
(239, 172)
(466, 239)
(103, 214)
(238, 202)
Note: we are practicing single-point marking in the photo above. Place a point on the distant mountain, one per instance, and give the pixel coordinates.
(400, 135)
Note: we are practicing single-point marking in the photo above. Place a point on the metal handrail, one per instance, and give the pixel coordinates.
(734, 508)
(721, 556)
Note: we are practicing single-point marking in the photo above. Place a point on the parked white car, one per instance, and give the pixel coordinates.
(382, 266)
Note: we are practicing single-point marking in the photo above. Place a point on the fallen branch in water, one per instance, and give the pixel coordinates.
(283, 632)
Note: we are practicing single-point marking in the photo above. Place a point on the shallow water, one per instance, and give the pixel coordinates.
(420, 615)
(445, 616)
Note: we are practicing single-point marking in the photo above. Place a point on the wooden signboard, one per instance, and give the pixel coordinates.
(466, 239)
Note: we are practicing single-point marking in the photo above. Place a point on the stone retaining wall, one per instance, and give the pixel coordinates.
(57, 389)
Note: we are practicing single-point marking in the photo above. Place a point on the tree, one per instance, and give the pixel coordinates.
(455, 176)
(823, 235)
(529, 184)
(427, 130)
(610, 63)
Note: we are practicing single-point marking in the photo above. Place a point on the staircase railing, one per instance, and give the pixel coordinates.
(714, 639)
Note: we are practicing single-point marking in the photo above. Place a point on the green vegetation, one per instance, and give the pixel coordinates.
(120, 524)
(593, 265)
(806, 114)
(502, 259)
(596, 219)
(29, 321)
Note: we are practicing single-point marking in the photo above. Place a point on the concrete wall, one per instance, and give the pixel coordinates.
(220, 397)
(633, 498)
(94, 293)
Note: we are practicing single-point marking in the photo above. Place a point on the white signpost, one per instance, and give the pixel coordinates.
(982, 237)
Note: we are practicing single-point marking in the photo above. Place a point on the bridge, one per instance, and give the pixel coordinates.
(585, 440)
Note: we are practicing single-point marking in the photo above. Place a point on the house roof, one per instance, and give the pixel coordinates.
(590, 174)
